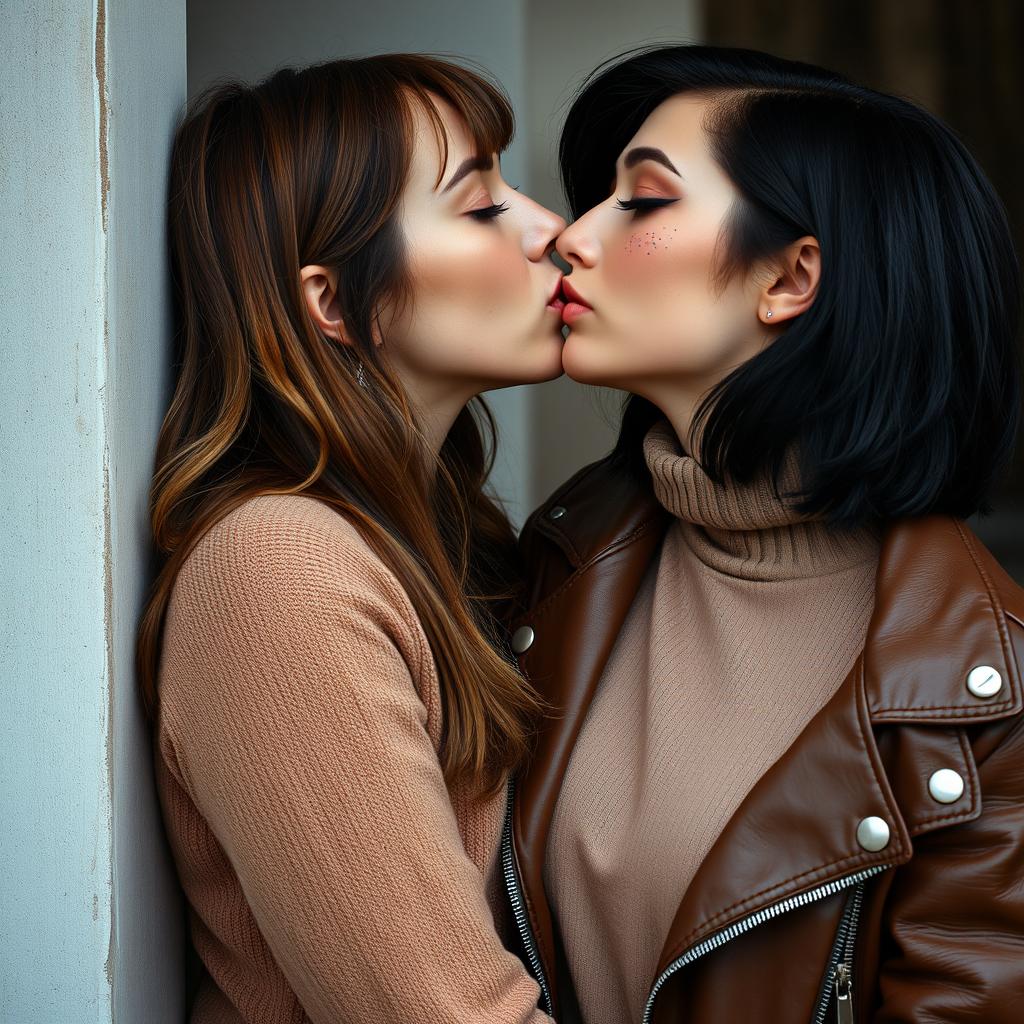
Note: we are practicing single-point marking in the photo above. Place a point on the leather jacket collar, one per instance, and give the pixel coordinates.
(943, 607)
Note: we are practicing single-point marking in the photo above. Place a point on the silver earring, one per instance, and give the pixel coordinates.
(768, 315)
(361, 376)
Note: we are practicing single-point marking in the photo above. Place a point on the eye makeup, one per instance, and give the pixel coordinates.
(642, 205)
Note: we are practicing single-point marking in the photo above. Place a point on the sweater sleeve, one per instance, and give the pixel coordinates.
(300, 736)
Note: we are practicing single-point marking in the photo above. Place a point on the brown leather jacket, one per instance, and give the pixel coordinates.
(853, 883)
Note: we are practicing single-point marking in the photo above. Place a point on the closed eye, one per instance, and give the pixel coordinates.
(486, 213)
(642, 205)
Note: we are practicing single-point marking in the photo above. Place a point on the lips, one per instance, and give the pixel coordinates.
(571, 295)
(575, 305)
(555, 300)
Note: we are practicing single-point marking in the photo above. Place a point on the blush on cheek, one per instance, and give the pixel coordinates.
(501, 270)
(473, 276)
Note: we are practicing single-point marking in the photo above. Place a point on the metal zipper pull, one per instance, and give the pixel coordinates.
(844, 995)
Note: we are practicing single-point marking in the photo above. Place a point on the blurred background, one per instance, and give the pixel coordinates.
(91, 921)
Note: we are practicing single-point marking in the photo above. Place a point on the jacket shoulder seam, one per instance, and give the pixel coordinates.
(958, 710)
(994, 604)
(542, 607)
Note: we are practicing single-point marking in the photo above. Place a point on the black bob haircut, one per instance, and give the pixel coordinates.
(901, 384)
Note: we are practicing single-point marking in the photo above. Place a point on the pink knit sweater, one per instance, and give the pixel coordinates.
(331, 875)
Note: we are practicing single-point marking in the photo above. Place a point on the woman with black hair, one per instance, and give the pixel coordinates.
(784, 778)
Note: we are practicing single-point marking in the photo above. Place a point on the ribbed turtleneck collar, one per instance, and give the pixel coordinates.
(747, 530)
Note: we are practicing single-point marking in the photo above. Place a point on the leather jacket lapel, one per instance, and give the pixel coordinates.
(797, 828)
(938, 615)
(589, 609)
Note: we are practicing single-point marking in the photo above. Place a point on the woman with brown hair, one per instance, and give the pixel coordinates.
(322, 649)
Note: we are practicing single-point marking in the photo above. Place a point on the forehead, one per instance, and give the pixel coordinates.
(427, 150)
(675, 125)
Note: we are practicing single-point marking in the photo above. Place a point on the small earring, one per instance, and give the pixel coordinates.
(768, 315)
(361, 377)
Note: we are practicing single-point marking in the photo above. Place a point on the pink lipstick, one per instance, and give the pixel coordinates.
(575, 305)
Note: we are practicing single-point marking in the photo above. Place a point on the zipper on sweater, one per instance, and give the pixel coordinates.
(837, 985)
(745, 924)
(512, 883)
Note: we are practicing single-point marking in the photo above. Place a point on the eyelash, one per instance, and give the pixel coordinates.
(640, 206)
(488, 212)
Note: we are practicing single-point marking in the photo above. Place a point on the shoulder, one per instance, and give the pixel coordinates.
(1005, 593)
(284, 584)
(277, 533)
(598, 508)
(945, 610)
(951, 560)
(603, 521)
(279, 548)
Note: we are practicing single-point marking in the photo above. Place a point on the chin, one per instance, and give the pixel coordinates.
(546, 361)
(579, 363)
(537, 362)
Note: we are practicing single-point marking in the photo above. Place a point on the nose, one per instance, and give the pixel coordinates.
(578, 245)
(542, 228)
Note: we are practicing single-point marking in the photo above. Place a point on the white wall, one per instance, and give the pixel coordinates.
(90, 924)
(146, 91)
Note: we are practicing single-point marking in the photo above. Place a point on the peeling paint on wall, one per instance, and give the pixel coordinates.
(90, 920)
(100, 60)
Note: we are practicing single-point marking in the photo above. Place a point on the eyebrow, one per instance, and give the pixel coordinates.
(638, 154)
(470, 164)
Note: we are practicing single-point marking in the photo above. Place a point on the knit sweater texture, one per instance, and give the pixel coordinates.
(743, 628)
(331, 876)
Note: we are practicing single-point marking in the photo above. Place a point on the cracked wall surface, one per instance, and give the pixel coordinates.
(89, 916)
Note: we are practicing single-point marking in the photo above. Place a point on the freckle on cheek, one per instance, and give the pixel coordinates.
(647, 242)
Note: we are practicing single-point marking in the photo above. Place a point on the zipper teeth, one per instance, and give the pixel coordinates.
(518, 909)
(841, 950)
(752, 921)
(851, 932)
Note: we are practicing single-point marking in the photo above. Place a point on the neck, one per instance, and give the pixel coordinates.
(436, 424)
(749, 530)
(436, 409)
(679, 407)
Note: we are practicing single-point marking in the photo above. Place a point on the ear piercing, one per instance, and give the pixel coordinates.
(768, 315)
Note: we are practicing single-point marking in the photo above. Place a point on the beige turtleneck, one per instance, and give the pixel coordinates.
(743, 628)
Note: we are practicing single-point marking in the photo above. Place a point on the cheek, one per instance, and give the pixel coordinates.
(663, 279)
(475, 313)
(648, 257)
(659, 311)
(471, 277)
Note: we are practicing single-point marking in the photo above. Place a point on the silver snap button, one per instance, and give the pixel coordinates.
(873, 834)
(984, 681)
(557, 512)
(946, 786)
(522, 639)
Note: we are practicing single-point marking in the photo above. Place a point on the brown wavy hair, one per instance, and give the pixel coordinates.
(308, 167)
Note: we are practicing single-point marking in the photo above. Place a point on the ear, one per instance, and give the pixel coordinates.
(320, 290)
(794, 275)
